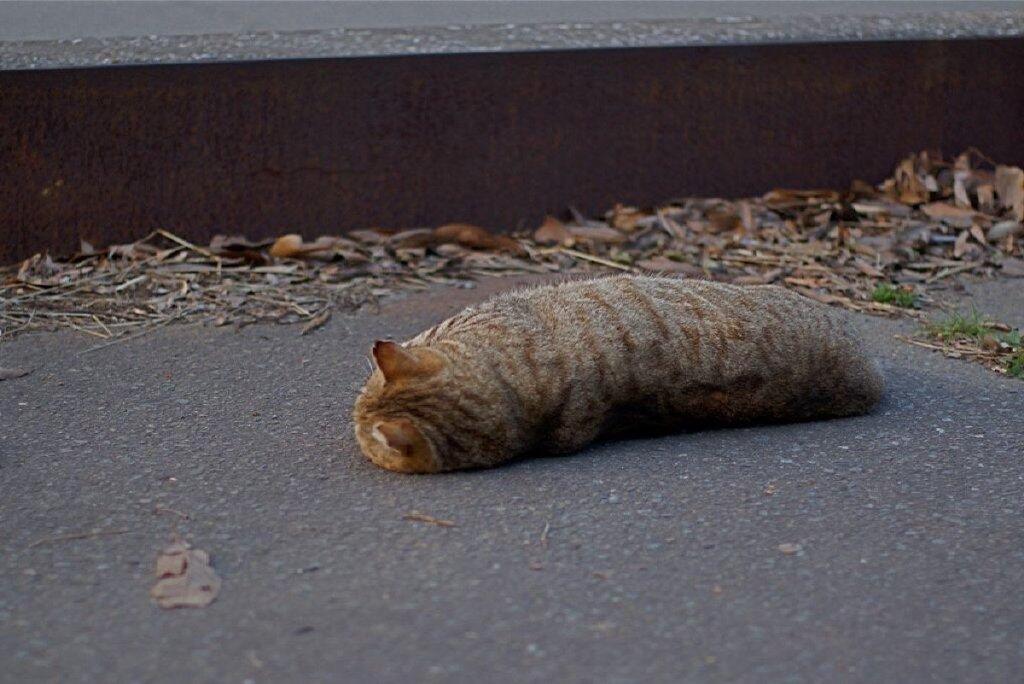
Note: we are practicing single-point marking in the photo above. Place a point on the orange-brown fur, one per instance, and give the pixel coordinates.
(549, 369)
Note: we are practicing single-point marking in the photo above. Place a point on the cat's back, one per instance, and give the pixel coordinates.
(632, 313)
(649, 302)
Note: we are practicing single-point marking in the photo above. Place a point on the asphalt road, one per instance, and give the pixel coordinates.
(661, 558)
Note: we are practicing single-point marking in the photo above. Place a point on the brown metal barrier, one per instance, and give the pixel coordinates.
(327, 145)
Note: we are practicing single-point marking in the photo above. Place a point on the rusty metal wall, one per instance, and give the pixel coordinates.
(328, 145)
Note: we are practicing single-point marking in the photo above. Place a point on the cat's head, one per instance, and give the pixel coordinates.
(397, 408)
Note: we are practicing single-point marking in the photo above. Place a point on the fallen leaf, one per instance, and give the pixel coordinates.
(224, 245)
(416, 516)
(747, 216)
(316, 322)
(793, 196)
(287, 246)
(960, 246)
(909, 188)
(1000, 230)
(986, 197)
(625, 218)
(12, 373)
(978, 234)
(960, 189)
(235, 246)
(957, 217)
(184, 578)
(417, 237)
(552, 232)
(881, 207)
(476, 237)
(660, 264)
(373, 236)
(789, 549)
(867, 269)
(600, 234)
(724, 219)
(765, 278)
(1009, 185)
(1013, 267)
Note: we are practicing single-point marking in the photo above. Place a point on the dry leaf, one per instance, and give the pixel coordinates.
(789, 549)
(801, 197)
(1000, 230)
(881, 207)
(1009, 184)
(316, 322)
(552, 232)
(476, 237)
(947, 213)
(601, 234)
(12, 373)
(660, 264)
(960, 246)
(765, 278)
(909, 188)
(867, 269)
(626, 219)
(978, 234)
(960, 189)
(986, 197)
(747, 216)
(225, 245)
(184, 578)
(1013, 267)
(372, 236)
(416, 516)
(417, 237)
(287, 246)
(724, 219)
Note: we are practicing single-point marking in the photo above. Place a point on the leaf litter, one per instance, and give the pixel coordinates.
(882, 250)
(184, 577)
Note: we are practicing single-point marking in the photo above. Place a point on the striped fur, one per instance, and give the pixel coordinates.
(550, 369)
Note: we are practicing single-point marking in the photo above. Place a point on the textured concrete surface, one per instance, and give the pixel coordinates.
(661, 559)
(82, 34)
(21, 20)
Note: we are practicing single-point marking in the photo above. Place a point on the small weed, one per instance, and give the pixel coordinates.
(1015, 367)
(957, 326)
(1014, 364)
(974, 336)
(887, 294)
(1012, 338)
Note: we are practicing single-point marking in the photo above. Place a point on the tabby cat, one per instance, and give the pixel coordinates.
(550, 369)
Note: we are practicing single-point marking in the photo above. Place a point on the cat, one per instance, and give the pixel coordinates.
(552, 368)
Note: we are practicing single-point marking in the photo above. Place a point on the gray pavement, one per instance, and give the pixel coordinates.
(38, 35)
(661, 560)
(20, 20)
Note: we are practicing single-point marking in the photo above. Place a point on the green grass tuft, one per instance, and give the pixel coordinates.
(1013, 339)
(887, 294)
(957, 325)
(1008, 347)
(1015, 367)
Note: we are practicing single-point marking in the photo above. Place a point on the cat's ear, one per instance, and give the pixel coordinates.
(416, 454)
(397, 362)
(398, 434)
